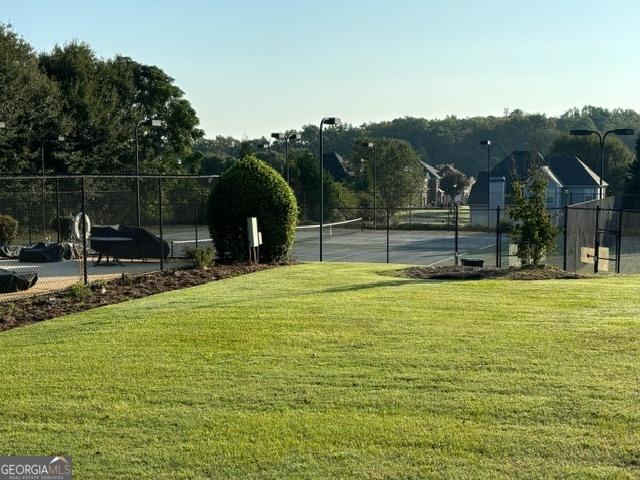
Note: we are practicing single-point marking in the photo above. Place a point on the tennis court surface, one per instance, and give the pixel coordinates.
(349, 242)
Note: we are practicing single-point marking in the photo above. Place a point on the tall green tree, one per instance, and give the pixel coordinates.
(633, 186)
(29, 105)
(399, 174)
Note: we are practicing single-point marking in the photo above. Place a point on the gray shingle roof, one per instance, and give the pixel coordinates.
(568, 169)
(335, 165)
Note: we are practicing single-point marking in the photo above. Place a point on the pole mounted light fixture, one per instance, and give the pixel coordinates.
(148, 122)
(325, 121)
(487, 143)
(372, 146)
(601, 138)
(287, 138)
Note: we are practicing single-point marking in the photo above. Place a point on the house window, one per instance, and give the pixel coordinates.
(589, 196)
(551, 198)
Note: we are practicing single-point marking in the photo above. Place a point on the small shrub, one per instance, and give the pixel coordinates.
(8, 229)
(202, 257)
(251, 188)
(80, 291)
(533, 231)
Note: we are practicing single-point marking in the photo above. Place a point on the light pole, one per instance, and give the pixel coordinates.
(287, 137)
(488, 145)
(602, 138)
(153, 122)
(372, 146)
(61, 139)
(266, 146)
(325, 121)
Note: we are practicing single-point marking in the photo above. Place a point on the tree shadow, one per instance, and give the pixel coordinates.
(370, 286)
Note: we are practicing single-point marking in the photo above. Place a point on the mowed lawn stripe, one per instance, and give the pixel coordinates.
(336, 371)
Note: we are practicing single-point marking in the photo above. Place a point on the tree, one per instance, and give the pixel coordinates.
(633, 185)
(618, 158)
(453, 183)
(533, 232)
(399, 174)
(29, 105)
(103, 100)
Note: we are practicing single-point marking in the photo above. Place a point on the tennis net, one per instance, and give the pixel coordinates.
(310, 233)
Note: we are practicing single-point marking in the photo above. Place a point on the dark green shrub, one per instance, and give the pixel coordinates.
(8, 229)
(251, 188)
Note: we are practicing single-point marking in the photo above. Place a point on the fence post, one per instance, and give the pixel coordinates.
(456, 236)
(566, 230)
(596, 256)
(619, 242)
(195, 223)
(498, 240)
(85, 276)
(387, 235)
(160, 223)
(29, 222)
(58, 208)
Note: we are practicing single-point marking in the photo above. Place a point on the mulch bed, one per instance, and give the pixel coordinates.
(477, 273)
(55, 304)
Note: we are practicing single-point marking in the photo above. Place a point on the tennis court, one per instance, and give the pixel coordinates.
(348, 241)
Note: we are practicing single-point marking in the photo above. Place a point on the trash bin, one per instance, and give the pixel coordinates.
(472, 262)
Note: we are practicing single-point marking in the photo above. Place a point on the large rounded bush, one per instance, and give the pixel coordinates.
(8, 229)
(251, 188)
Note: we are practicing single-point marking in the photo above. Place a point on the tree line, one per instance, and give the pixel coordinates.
(95, 103)
(80, 112)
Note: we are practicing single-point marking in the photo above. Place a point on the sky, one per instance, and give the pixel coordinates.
(252, 67)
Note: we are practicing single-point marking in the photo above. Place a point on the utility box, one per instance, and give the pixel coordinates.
(252, 232)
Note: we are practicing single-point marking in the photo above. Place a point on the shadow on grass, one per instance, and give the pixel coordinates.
(369, 286)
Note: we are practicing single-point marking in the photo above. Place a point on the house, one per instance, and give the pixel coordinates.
(336, 166)
(432, 194)
(569, 181)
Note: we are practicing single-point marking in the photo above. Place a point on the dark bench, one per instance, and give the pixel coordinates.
(122, 242)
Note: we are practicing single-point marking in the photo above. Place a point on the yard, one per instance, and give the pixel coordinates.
(336, 371)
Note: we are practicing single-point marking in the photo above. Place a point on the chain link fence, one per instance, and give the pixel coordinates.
(82, 229)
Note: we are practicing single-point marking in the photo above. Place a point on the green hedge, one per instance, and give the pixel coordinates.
(251, 188)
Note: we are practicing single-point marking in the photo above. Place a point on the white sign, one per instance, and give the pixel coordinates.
(252, 232)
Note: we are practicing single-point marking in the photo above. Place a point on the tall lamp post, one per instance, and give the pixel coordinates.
(153, 122)
(325, 121)
(266, 146)
(44, 141)
(602, 138)
(488, 145)
(372, 146)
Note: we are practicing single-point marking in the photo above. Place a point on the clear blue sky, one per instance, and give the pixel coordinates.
(252, 67)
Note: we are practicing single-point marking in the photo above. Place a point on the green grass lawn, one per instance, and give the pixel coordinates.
(336, 371)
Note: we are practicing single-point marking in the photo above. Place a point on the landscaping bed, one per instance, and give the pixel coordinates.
(477, 273)
(80, 298)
